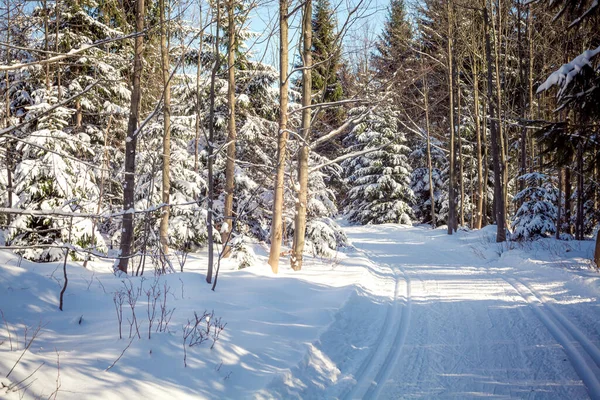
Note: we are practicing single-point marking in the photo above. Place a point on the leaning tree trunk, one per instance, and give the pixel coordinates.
(277, 222)
(231, 134)
(498, 190)
(301, 202)
(166, 156)
(131, 141)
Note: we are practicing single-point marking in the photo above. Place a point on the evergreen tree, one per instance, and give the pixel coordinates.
(393, 47)
(327, 64)
(537, 214)
(379, 181)
(47, 170)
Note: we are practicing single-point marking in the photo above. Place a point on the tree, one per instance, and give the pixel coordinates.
(303, 153)
(326, 59)
(131, 141)
(282, 134)
(231, 129)
(166, 155)
(379, 180)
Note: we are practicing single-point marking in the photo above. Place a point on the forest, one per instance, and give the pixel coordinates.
(397, 199)
(142, 131)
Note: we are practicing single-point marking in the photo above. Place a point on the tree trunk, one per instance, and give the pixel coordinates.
(198, 96)
(131, 141)
(522, 75)
(231, 134)
(301, 203)
(451, 187)
(497, 32)
(460, 154)
(166, 156)
(498, 190)
(597, 250)
(210, 151)
(277, 222)
(480, 182)
(568, 194)
(46, 39)
(9, 186)
(580, 189)
(429, 163)
(559, 208)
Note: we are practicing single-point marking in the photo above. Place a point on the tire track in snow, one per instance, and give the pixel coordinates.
(557, 327)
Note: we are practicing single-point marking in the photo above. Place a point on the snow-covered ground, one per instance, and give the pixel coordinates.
(409, 312)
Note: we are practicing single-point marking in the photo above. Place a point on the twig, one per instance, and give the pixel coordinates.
(123, 352)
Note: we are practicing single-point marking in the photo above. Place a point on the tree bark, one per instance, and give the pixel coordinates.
(277, 222)
(231, 134)
(166, 155)
(498, 190)
(131, 141)
(301, 203)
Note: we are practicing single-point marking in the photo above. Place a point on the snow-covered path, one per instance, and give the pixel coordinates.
(470, 323)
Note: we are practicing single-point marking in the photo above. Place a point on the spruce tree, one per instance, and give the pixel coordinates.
(393, 47)
(327, 62)
(379, 180)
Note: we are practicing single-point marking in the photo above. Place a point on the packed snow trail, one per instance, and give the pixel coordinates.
(476, 324)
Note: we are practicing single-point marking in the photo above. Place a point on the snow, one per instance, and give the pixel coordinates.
(567, 72)
(408, 312)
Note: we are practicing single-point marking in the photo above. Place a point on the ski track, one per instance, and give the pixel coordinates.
(365, 371)
(373, 370)
(557, 330)
(460, 327)
(394, 353)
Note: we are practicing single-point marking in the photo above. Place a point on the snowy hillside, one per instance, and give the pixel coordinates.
(409, 312)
